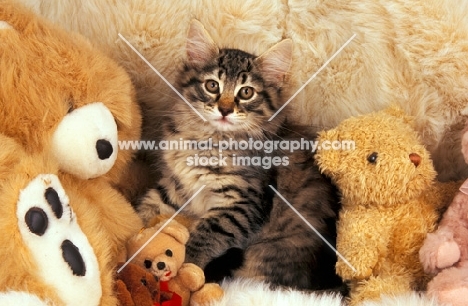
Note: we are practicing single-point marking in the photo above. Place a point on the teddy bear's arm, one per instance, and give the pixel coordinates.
(443, 248)
(362, 240)
(191, 276)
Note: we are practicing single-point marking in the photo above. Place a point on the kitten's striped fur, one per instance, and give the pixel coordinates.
(237, 93)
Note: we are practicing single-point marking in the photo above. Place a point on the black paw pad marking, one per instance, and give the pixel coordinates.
(37, 221)
(71, 255)
(53, 199)
(64, 257)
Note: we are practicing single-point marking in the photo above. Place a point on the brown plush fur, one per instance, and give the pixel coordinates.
(46, 72)
(136, 287)
(389, 203)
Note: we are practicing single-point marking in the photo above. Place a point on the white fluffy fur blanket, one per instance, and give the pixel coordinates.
(242, 292)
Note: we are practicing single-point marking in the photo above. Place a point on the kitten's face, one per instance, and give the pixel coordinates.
(235, 91)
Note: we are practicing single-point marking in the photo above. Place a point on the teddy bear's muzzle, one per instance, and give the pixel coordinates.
(415, 159)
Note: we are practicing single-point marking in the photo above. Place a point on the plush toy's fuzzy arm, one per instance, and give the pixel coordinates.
(444, 247)
(192, 276)
(363, 235)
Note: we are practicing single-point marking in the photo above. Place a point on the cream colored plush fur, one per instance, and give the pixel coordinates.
(413, 53)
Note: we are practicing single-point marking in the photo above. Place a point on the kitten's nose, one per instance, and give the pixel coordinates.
(225, 110)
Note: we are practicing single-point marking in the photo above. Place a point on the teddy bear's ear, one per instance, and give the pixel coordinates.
(398, 112)
(177, 231)
(327, 159)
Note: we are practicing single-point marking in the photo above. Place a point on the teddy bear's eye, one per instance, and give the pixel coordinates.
(143, 281)
(372, 158)
(169, 253)
(148, 263)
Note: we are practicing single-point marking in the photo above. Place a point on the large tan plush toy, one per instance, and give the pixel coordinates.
(390, 200)
(58, 92)
(161, 250)
(413, 52)
(59, 95)
(54, 248)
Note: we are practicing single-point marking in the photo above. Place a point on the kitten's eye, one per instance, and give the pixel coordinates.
(245, 93)
(212, 86)
(372, 158)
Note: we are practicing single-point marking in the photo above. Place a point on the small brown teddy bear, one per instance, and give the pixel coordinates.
(445, 252)
(161, 250)
(390, 200)
(136, 287)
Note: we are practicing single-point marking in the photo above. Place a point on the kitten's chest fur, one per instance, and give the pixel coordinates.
(188, 168)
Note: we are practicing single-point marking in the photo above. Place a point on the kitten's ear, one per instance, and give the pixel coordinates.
(275, 62)
(200, 45)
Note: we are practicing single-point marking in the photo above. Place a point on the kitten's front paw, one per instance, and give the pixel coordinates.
(149, 206)
(196, 253)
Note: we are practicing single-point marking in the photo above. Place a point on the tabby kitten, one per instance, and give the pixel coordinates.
(237, 93)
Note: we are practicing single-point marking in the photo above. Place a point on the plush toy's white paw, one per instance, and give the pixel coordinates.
(64, 258)
(85, 141)
(21, 298)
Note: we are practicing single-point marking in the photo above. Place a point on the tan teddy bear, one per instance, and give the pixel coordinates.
(161, 250)
(390, 201)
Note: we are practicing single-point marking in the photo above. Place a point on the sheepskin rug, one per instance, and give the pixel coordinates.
(242, 292)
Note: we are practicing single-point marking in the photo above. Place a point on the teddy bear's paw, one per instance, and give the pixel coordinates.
(21, 298)
(149, 206)
(438, 251)
(346, 272)
(208, 294)
(192, 276)
(65, 260)
(455, 297)
(447, 254)
(93, 151)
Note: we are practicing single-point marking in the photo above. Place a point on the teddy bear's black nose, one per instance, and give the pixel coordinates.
(161, 265)
(415, 159)
(104, 149)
